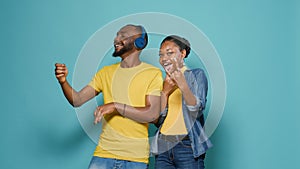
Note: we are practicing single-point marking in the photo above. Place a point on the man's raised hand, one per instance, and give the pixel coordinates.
(61, 72)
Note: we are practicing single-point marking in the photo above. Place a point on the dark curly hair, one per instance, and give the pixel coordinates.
(182, 43)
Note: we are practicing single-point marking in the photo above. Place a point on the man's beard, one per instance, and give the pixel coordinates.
(123, 50)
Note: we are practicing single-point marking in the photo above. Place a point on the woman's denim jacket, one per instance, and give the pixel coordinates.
(193, 115)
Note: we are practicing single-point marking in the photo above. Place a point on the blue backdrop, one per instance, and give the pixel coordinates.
(257, 41)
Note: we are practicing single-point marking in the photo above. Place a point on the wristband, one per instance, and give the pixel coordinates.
(124, 110)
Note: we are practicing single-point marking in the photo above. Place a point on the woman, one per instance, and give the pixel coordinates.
(181, 142)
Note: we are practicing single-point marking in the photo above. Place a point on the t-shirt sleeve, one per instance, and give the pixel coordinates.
(156, 84)
(96, 81)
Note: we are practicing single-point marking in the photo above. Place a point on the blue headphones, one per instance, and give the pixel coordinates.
(141, 41)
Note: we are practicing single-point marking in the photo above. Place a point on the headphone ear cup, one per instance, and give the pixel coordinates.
(139, 43)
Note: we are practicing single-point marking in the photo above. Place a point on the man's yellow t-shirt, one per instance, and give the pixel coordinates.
(123, 138)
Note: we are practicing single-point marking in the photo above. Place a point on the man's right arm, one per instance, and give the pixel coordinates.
(75, 98)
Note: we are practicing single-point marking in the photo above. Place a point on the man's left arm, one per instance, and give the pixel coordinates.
(145, 114)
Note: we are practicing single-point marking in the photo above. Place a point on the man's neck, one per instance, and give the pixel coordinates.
(131, 60)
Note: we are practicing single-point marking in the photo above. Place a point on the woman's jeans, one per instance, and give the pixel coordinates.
(178, 156)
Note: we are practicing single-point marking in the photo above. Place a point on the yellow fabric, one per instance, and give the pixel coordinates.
(122, 138)
(174, 123)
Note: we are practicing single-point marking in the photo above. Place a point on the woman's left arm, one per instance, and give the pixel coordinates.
(197, 99)
(181, 82)
(200, 88)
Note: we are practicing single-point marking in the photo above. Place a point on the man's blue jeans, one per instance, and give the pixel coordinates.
(179, 157)
(108, 163)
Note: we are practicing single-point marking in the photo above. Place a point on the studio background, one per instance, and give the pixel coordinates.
(258, 44)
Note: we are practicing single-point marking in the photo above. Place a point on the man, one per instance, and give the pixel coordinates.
(131, 92)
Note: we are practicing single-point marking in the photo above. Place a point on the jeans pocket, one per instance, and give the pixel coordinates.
(186, 143)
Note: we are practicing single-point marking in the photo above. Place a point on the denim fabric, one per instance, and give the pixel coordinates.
(108, 163)
(179, 157)
(194, 120)
(193, 115)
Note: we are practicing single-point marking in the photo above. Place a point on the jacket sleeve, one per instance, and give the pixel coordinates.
(198, 84)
